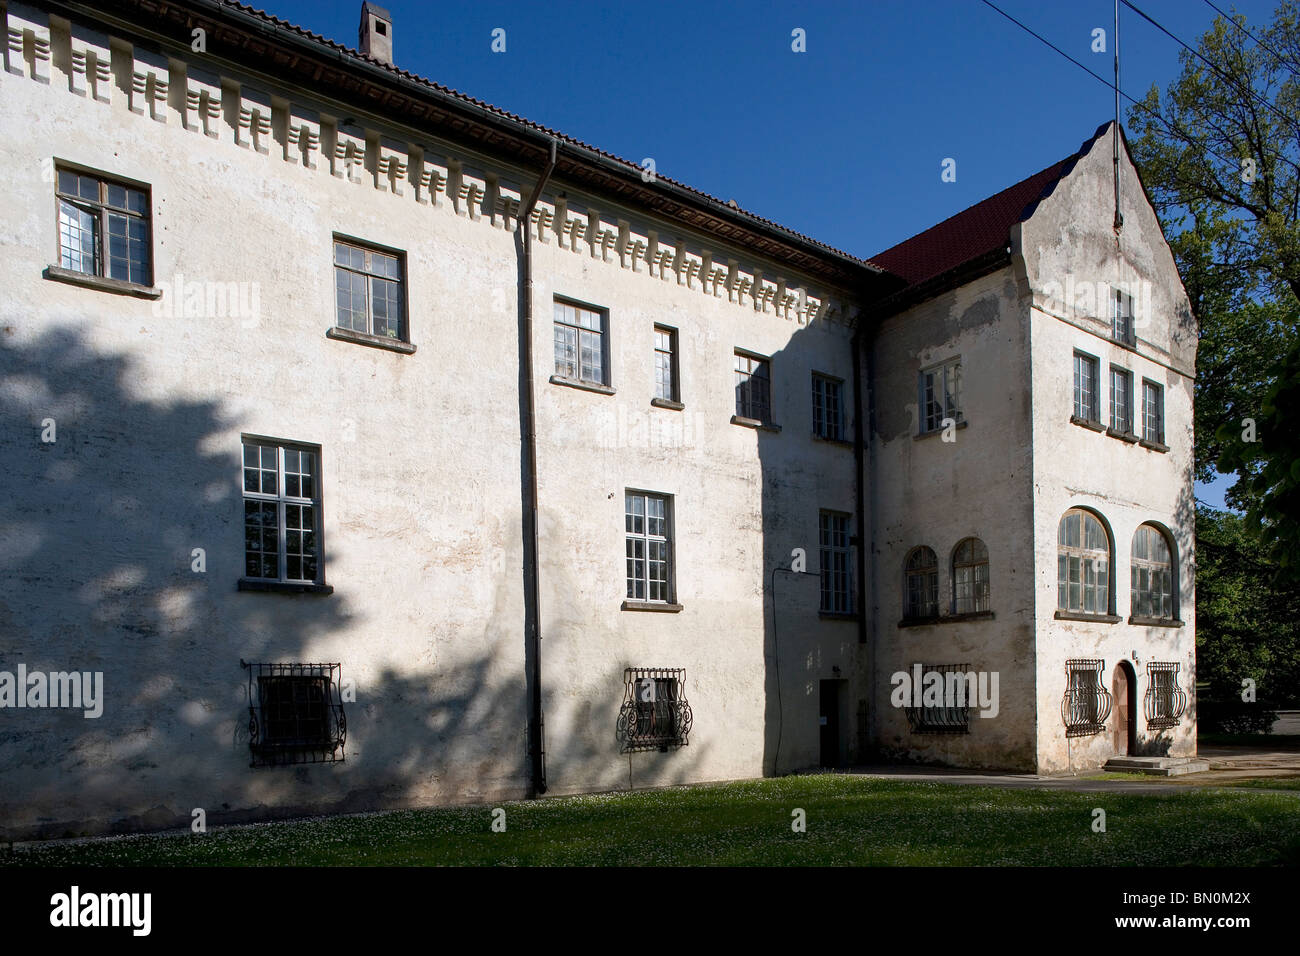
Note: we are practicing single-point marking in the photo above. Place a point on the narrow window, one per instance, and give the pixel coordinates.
(940, 395)
(104, 227)
(970, 577)
(666, 364)
(1083, 558)
(835, 566)
(1153, 412)
(282, 512)
(368, 291)
(1121, 315)
(828, 405)
(922, 575)
(753, 388)
(1121, 400)
(580, 344)
(648, 547)
(1152, 574)
(1085, 388)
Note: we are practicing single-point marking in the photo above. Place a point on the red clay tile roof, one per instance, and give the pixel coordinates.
(978, 230)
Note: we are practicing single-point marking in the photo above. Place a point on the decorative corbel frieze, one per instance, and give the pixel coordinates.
(679, 262)
(575, 228)
(90, 72)
(606, 238)
(347, 149)
(390, 165)
(756, 291)
(302, 136)
(202, 101)
(637, 254)
(732, 283)
(543, 218)
(507, 202)
(694, 267)
(150, 77)
(26, 24)
(471, 191)
(253, 121)
(561, 221)
(592, 232)
(430, 176)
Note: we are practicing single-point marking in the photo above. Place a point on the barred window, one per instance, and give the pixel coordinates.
(828, 405)
(368, 288)
(580, 343)
(104, 227)
(1153, 576)
(666, 364)
(1153, 412)
(922, 574)
(281, 511)
(940, 395)
(1083, 560)
(647, 528)
(1165, 701)
(970, 577)
(1085, 388)
(956, 693)
(1121, 400)
(655, 714)
(295, 713)
(836, 594)
(1121, 316)
(753, 387)
(1086, 704)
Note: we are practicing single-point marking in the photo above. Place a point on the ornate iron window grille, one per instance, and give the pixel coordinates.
(1165, 701)
(655, 714)
(1087, 703)
(948, 717)
(295, 714)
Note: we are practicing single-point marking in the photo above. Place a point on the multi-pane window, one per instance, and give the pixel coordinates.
(1121, 400)
(835, 589)
(579, 343)
(753, 387)
(1121, 317)
(1153, 412)
(952, 714)
(1165, 701)
(828, 407)
(1087, 703)
(295, 713)
(922, 573)
(1152, 574)
(655, 714)
(970, 577)
(281, 512)
(666, 364)
(103, 227)
(368, 290)
(940, 395)
(1085, 388)
(1083, 560)
(648, 546)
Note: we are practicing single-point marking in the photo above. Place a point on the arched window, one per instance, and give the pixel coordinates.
(922, 583)
(1082, 564)
(970, 577)
(1153, 574)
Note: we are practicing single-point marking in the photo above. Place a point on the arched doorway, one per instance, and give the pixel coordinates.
(1124, 691)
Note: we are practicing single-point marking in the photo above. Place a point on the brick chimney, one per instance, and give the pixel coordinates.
(375, 35)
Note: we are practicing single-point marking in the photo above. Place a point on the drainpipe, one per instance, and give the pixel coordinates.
(858, 480)
(527, 414)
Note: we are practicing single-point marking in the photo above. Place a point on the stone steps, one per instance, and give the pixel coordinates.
(1157, 766)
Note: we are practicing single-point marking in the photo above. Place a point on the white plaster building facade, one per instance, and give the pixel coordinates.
(380, 448)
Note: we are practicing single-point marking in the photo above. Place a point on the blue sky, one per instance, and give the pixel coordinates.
(843, 142)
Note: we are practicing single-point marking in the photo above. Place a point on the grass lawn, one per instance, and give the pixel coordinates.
(850, 821)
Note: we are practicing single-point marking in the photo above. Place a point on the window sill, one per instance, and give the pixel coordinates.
(1087, 423)
(102, 283)
(1122, 436)
(960, 423)
(285, 587)
(1085, 616)
(1155, 621)
(754, 423)
(667, 403)
(650, 606)
(966, 616)
(365, 338)
(842, 442)
(585, 386)
(918, 621)
(837, 615)
(1126, 344)
(1153, 445)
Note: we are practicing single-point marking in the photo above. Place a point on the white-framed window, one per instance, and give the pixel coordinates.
(1121, 399)
(666, 379)
(836, 563)
(580, 343)
(1153, 412)
(369, 290)
(104, 226)
(648, 546)
(970, 577)
(1083, 563)
(1121, 317)
(1086, 399)
(282, 493)
(922, 583)
(828, 407)
(1153, 574)
(940, 395)
(753, 387)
